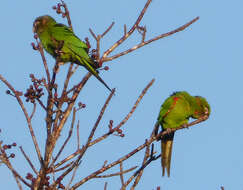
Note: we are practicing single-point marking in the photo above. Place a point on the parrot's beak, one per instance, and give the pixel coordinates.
(34, 28)
(36, 23)
(206, 111)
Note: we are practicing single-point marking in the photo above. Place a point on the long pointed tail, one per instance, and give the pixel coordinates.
(87, 64)
(166, 150)
(95, 73)
(103, 82)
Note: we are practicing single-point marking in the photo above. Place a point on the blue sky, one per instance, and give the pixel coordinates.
(205, 59)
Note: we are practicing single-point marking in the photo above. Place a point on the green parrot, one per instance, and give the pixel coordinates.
(60, 41)
(174, 112)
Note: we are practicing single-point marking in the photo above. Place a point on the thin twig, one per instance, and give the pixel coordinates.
(26, 117)
(33, 111)
(41, 104)
(16, 175)
(98, 38)
(28, 160)
(69, 74)
(73, 175)
(116, 174)
(121, 174)
(105, 187)
(93, 34)
(98, 49)
(67, 14)
(107, 30)
(78, 138)
(138, 173)
(152, 158)
(64, 167)
(125, 29)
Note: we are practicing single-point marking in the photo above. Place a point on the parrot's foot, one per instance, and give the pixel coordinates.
(59, 53)
(61, 63)
(56, 68)
(169, 130)
(185, 126)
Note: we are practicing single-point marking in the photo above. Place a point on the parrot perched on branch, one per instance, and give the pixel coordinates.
(174, 112)
(60, 41)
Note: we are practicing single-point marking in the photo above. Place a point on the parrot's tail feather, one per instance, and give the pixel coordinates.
(89, 65)
(163, 163)
(95, 73)
(166, 150)
(103, 82)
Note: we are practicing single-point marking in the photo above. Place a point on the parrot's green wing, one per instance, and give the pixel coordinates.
(72, 45)
(175, 110)
(74, 49)
(164, 110)
(61, 31)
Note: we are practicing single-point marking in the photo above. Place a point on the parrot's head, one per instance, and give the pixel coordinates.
(202, 107)
(42, 22)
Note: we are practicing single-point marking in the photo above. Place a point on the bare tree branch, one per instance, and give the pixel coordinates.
(26, 117)
(143, 43)
(126, 35)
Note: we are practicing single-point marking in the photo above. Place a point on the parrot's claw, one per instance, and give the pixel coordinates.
(169, 130)
(59, 52)
(61, 63)
(185, 126)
